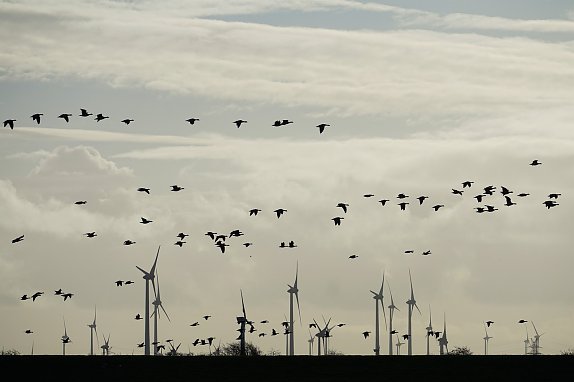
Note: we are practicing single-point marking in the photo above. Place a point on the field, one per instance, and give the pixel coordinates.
(298, 368)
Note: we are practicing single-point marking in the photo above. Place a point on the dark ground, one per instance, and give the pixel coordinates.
(281, 368)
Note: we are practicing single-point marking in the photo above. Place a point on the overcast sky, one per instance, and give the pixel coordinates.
(420, 96)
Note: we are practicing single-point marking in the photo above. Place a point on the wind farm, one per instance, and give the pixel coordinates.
(283, 167)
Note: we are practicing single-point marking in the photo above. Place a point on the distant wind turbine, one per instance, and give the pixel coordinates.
(156, 305)
(106, 346)
(399, 344)
(429, 331)
(486, 338)
(536, 341)
(443, 341)
(65, 339)
(93, 329)
(311, 340)
(378, 297)
(411, 302)
(148, 277)
(293, 290)
(392, 308)
(242, 320)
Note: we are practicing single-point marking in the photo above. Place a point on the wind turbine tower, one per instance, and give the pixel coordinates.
(293, 290)
(156, 305)
(399, 344)
(106, 346)
(93, 329)
(536, 341)
(392, 308)
(148, 277)
(486, 338)
(429, 331)
(443, 341)
(411, 303)
(378, 297)
(65, 339)
(242, 320)
(311, 340)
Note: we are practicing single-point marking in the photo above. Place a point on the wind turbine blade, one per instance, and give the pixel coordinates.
(416, 306)
(145, 272)
(162, 308)
(155, 262)
(243, 305)
(299, 308)
(374, 293)
(384, 314)
(382, 284)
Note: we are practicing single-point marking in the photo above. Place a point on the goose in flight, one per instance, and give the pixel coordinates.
(143, 189)
(337, 220)
(353, 256)
(100, 117)
(65, 117)
(19, 238)
(119, 282)
(383, 201)
(36, 295)
(402, 196)
(292, 244)
(535, 162)
(127, 121)
(280, 212)
(479, 197)
(36, 117)
(550, 203)
(28, 331)
(368, 195)
(403, 205)
(254, 211)
(553, 196)
(239, 122)
(343, 206)
(426, 253)
(409, 251)
(322, 127)
(84, 113)
(509, 201)
(128, 282)
(437, 206)
(488, 323)
(210, 234)
(67, 295)
(58, 292)
(175, 187)
(505, 191)
(422, 199)
(192, 120)
(458, 192)
(81, 202)
(145, 221)
(25, 297)
(522, 321)
(248, 244)
(129, 242)
(138, 317)
(180, 243)
(91, 234)
(467, 183)
(221, 246)
(182, 235)
(366, 334)
(10, 123)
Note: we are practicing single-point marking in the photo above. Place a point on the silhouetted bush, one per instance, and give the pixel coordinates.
(569, 351)
(10, 352)
(234, 349)
(460, 350)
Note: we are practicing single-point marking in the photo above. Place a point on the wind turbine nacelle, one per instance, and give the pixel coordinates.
(241, 320)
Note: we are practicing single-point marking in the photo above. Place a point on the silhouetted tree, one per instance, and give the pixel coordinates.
(234, 349)
(273, 352)
(334, 352)
(460, 350)
(569, 351)
(9, 352)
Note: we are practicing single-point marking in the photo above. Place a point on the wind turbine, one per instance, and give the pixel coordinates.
(93, 329)
(311, 340)
(106, 346)
(399, 344)
(429, 331)
(486, 338)
(156, 305)
(392, 308)
(378, 297)
(321, 335)
(65, 339)
(411, 302)
(148, 277)
(443, 341)
(527, 340)
(293, 290)
(242, 320)
(536, 341)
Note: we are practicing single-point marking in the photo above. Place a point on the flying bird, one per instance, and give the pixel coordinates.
(138, 317)
(426, 253)
(337, 220)
(19, 238)
(28, 331)
(206, 317)
(65, 117)
(59, 291)
(91, 234)
(211, 234)
(488, 323)
(247, 244)
(175, 187)
(239, 122)
(509, 202)
(553, 196)
(84, 113)
(129, 242)
(437, 206)
(192, 120)
(505, 191)
(403, 205)
(67, 296)
(145, 221)
(322, 127)
(292, 244)
(522, 321)
(550, 203)
(467, 183)
(10, 123)
(383, 201)
(182, 235)
(119, 282)
(422, 199)
(100, 117)
(180, 243)
(343, 206)
(458, 192)
(36, 117)
(409, 251)
(523, 194)
(286, 122)
(143, 189)
(254, 211)
(366, 334)
(221, 246)
(479, 198)
(353, 256)
(36, 295)
(128, 282)
(368, 195)
(127, 121)
(402, 196)
(194, 324)
(25, 297)
(141, 345)
(535, 162)
(280, 212)
(80, 202)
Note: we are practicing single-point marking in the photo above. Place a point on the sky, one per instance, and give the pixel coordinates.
(419, 97)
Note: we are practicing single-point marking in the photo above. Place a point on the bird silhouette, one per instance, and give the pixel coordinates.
(248, 244)
(292, 244)
(426, 253)
(254, 211)
(409, 251)
(138, 317)
(28, 331)
(100, 117)
(119, 282)
(322, 127)
(402, 196)
(182, 235)
(479, 198)
(479, 209)
(80, 202)
(91, 234)
(25, 297)
(127, 121)
(239, 122)
(403, 205)
(220, 237)
(436, 207)
(143, 189)
(368, 195)
(65, 117)
(84, 113)
(279, 212)
(535, 162)
(467, 183)
(261, 334)
(141, 345)
(505, 191)
(10, 123)
(488, 323)
(353, 256)
(490, 208)
(422, 199)
(523, 194)
(522, 321)
(221, 246)
(458, 192)
(235, 233)
(366, 334)
(175, 187)
(509, 201)
(18, 239)
(337, 220)
(343, 206)
(36, 295)
(211, 234)
(59, 291)
(192, 120)
(383, 201)
(282, 245)
(128, 282)
(194, 324)
(129, 242)
(276, 123)
(145, 221)
(437, 334)
(67, 296)
(550, 203)
(405, 336)
(553, 196)
(274, 332)
(286, 122)
(36, 117)
(489, 190)
(206, 317)
(180, 243)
